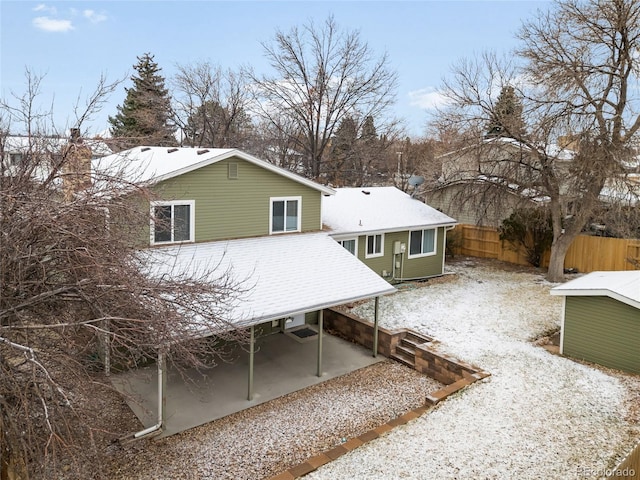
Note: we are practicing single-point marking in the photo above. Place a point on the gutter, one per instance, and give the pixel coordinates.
(157, 428)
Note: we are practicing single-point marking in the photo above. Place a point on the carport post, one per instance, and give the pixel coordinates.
(375, 327)
(251, 352)
(320, 321)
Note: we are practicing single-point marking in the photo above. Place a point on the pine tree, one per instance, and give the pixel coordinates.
(368, 135)
(144, 118)
(343, 149)
(506, 118)
(369, 154)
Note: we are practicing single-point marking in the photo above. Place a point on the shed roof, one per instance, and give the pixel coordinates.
(283, 275)
(155, 164)
(378, 209)
(623, 286)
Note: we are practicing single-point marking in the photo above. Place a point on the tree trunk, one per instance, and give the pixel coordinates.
(559, 249)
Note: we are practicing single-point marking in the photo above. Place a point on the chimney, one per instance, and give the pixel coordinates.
(76, 167)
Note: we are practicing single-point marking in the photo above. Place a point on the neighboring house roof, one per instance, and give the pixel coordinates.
(552, 150)
(284, 275)
(623, 190)
(378, 209)
(623, 286)
(155, 164)
(22, 144)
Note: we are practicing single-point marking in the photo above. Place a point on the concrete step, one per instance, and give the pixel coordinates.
(406, 351)
(413, 339)
(402, 358)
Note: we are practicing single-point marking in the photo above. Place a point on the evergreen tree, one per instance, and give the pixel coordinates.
(370, 154)
(145, 116)
(343, 150)
(369, 135)
(506, 118)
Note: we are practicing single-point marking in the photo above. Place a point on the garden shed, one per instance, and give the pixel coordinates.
(601, 319)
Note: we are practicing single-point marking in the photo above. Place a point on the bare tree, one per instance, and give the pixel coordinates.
(578, 70)
(276, 141)
(322, 74)
(211, 106)
(77, 294)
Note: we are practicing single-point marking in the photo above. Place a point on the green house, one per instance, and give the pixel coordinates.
(224, 210)
(397, 236)
(601, 319)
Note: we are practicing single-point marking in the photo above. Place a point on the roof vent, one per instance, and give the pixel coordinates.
(171, 150)
(200, 152)
(144, 149)
(366, 192)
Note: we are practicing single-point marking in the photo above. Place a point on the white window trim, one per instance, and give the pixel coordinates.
(428, 254)
(366, 246)
(192, 223)
(347, 239)
(299, 214)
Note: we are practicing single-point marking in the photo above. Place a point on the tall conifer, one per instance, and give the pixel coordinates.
(144, 118)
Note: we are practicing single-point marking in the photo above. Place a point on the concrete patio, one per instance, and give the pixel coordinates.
(283, 364)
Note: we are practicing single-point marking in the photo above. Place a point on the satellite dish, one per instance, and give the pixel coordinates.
(415, 181)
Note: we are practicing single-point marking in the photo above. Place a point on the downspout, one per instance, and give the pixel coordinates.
(162, 381)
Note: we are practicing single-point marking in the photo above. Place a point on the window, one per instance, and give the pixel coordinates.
(375, 246)
(285, 214)
(422, 243)
(15, 158)
(350, 244)
(172, 222)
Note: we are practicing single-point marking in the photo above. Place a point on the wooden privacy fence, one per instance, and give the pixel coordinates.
(629, 468)
(586, 254)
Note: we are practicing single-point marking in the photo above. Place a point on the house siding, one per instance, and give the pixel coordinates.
(239, 207)
(488, 209)
(603, 331)
(413, 268)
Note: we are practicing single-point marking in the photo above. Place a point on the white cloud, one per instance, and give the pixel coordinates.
(93, 16)
(52, 25)
(44, 8)
(427, 98)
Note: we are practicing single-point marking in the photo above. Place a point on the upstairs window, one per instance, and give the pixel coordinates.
(285, 214)
(172, 222)
(375, 246)
(350, 245)
(422, 243)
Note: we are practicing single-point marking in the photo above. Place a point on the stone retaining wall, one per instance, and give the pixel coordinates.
(443, 368)
(360, 331)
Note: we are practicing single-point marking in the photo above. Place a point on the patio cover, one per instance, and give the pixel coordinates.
(283, 275)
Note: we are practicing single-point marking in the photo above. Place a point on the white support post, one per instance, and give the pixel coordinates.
(375, 327)
(251, 355)
(320, 328)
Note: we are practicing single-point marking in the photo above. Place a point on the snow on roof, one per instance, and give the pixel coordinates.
(24, 143)
(155, 164)
(284, 274)
(552, 150)
(623, 286)
(372, 209)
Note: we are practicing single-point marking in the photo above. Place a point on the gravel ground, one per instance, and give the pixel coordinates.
(538, 416)
(270, 438)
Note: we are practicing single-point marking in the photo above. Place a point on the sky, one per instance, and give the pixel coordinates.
(74, 43)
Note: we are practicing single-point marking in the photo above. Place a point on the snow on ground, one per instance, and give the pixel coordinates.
(538, 416)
